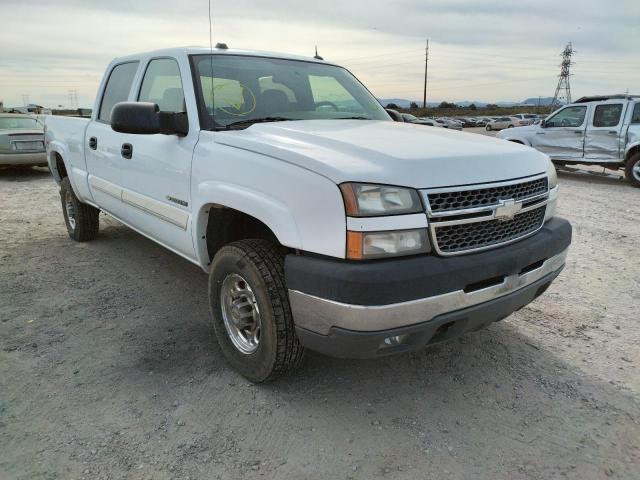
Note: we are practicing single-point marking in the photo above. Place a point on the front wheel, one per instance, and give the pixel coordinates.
(488, 128)
(82, 220)
(632, 170)
(250, 307)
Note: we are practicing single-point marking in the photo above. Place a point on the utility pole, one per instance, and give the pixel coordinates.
(563, 78)
(426, 68)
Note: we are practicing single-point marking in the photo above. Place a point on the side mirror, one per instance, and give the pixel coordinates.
(543, 123)
(145, 118)
(395, 115)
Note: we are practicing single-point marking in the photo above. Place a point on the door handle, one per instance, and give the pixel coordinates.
(93, 143)
(127, 150)
(578, 131)
(612, 132)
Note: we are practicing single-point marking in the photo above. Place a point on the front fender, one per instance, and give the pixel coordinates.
(268, 210)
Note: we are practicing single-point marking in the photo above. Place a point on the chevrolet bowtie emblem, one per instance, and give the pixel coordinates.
(507, 209)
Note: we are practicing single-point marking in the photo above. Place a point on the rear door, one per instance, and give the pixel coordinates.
(156, 189)
(103, 145)
(604, 137)
(563, 134)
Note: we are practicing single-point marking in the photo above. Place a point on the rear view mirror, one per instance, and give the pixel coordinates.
(395, 115)
(145, 118)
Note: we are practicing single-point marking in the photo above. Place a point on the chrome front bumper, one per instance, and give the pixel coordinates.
(320, 315)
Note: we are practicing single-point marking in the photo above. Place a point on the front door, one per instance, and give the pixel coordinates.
(604, 133)
(562, 136)
(156, 186)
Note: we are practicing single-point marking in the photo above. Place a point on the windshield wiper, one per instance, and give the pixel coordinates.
(352, 118)
(250, 121)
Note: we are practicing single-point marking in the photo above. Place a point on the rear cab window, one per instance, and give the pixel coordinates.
(607, 115)
(117, 88)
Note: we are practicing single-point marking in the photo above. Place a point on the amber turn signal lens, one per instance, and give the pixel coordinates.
(354, 245)
(350, 200)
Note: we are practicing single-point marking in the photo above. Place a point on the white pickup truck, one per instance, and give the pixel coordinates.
(321, 223)
(602, 130)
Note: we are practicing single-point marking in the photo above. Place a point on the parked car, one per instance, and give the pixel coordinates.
(603, 130)
(466, 121)
(480, 121)
(523, 119)
(448, 123)
(501, 123)
(407, 117)
(21, 140)
(451, 123)
(331, 229)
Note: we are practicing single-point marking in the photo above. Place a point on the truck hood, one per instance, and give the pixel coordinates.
(387, 152)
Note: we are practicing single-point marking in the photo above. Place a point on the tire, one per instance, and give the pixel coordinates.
(510, 126)
(632, 170)
(82, 220)
(488, 128)
(254, 271)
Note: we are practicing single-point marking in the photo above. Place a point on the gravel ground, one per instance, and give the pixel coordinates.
(109, 368)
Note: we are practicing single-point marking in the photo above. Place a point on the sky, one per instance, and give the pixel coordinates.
(478, 50)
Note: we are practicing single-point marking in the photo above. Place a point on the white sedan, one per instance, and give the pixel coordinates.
(501, 123)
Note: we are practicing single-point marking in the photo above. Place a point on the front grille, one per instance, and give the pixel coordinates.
(472, 236)
(482, 197)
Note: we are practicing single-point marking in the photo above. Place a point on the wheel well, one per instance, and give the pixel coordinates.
(517, 141)
(62, 170)
(226, 225)
(632, 151)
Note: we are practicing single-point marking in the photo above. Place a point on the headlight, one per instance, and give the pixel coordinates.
(367, 245)
(552, 176)
(365, 200)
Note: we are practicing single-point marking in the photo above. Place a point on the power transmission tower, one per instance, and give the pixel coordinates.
(563, 78)
(426, 68)
(25, 99)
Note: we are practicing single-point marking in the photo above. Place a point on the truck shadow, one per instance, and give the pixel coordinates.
(614, 179)
(23, 174)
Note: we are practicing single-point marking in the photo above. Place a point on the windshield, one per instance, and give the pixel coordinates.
(243, 89)
(11, 123)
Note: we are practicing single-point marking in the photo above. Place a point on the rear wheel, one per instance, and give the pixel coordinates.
(488, 128)
(251, 313)
(632, 170)
(82, 220)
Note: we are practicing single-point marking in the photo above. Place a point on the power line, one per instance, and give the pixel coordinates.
(426, 69)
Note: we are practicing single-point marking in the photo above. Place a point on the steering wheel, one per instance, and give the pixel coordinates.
(565, 122)
(330, 104)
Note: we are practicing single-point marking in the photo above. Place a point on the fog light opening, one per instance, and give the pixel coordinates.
(394, 341)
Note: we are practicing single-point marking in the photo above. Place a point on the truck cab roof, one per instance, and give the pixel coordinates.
(217, 50)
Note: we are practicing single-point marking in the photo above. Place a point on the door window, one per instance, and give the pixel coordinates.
(162, 85)
(568, 117)
(117, 89)
(607, 115)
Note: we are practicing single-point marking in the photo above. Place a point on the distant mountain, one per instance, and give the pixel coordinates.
(404, 103)
(544, 101)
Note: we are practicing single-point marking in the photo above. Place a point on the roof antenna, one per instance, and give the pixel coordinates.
(316, 56)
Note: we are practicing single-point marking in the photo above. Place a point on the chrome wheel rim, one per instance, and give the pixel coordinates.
(636, 171)
(71, 213)
(240, 313)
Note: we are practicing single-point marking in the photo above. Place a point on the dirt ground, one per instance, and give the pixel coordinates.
(109, 368)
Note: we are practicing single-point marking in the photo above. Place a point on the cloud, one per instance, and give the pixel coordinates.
(490, 50)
